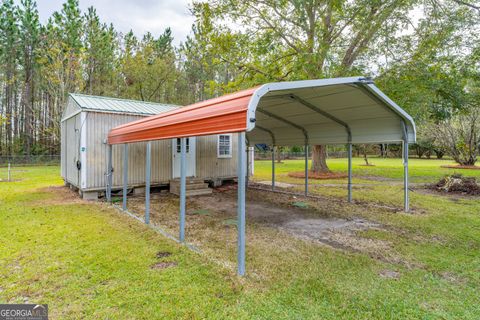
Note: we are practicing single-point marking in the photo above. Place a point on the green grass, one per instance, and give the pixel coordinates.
(421, 170)
(87, 261)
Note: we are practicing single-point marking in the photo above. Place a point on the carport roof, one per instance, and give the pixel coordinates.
(324, 111)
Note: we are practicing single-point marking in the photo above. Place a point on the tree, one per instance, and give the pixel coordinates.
(99, 54)
(286, 40)
(29, 32)
(9, 50)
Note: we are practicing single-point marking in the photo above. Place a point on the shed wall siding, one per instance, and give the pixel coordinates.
(63, 150)
(98, 125)
(209, 165)
(70, 109)
(72, 141)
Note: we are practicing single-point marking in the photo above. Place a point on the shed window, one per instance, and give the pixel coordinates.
(179, 145)
(224, 146)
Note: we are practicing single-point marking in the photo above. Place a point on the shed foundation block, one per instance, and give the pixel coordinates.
(139, 190)
(90, 195)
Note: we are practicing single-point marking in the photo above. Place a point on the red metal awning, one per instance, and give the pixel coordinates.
(218, 115)
(325, 111)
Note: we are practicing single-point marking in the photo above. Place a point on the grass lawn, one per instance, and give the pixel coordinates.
(88, 261)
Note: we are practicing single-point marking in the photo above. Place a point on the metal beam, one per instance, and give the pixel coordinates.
(109, 173)
(241, 204)
(349, 151)
(274, 148)
(306, 169)
(125, 175)
(406, 199)
(323, 113)
(290, 123)
(148, 168)
(248, 163)
(272, 135)
(183, 180)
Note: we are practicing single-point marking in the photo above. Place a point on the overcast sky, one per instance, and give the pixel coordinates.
(139, 15)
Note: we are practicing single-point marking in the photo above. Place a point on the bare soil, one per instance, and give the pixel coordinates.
(213, 217)
(163, 265)
(317, 176)
(60, 195)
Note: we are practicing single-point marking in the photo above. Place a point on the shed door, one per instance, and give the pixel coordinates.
(176, 152)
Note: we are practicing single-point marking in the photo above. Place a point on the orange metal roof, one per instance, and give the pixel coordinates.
(223, 114)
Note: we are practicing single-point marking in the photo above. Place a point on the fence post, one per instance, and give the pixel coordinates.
(9, 172)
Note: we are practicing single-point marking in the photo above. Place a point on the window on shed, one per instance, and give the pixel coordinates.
(224, 146)
(179, 145)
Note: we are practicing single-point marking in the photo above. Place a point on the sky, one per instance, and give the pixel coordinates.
(139, 15)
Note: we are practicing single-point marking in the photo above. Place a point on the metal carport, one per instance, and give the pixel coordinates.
(326, 111)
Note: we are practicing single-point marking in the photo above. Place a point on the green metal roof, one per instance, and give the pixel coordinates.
(107, 104)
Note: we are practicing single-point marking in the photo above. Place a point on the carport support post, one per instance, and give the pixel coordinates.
(273, 167)
(183, 182)
(125, 175)
(248, 164)
(349, 151)
(406, 200)
(147, 182)
(109, 173)
(306, 170)
(241, 204)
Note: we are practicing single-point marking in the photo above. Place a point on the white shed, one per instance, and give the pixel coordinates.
(85, 124)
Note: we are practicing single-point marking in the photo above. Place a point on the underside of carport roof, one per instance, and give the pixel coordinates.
(322, 111)
(326, 111)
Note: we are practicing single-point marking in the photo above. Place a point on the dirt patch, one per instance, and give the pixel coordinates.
(301, 222)
(277, 184)
(60, 196)
(377, 178)
(163, 254)
(452, 277)
(318, 176)
(459, 166)
(389, 274)
(163, 265)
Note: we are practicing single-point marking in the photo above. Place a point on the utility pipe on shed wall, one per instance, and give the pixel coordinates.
(125, 175)
(241, 204)
(183, 181)
(147, 182)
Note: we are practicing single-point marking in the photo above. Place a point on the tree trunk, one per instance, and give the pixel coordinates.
(319, 159)
(365, 157)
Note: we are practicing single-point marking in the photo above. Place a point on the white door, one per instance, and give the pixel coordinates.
(176, 152)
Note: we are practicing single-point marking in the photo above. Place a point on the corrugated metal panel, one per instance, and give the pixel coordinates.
(63, 150)
(98, 125)
(72, 143)
(107, 104)
(71, 109)
(224, 114)
(209, 166)
(323, 111)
